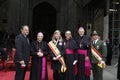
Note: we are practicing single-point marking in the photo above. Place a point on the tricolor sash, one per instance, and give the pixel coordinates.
(56, 52)
(98, 56)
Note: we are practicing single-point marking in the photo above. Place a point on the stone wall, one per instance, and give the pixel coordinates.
(99, 22)
(70, 14)
(3, 15)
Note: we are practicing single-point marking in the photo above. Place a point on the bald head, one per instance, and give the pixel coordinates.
(81, 31)
(39, 36)
(68, 34)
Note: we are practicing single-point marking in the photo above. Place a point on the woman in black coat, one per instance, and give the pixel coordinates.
(55, 63)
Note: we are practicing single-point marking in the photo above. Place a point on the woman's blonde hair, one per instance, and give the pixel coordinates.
(53, 37)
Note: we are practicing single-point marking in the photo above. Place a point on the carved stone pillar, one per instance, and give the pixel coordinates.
(72, 16)
(14, 15)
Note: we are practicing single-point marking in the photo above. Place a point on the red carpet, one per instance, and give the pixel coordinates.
(9, 75)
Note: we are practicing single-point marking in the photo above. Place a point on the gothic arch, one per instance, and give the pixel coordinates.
(54, 3)
(44, 19)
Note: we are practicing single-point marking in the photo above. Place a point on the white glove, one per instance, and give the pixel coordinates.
(75, 61)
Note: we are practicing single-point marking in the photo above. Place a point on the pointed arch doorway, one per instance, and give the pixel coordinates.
(44, 20)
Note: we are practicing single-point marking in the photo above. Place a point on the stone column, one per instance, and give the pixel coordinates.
(24, 11)
(119, 33)
(72, 16)
(63, 16)
(106, 22)
(14, 16)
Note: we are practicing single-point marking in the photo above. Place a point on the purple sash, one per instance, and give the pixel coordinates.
(43, 68)
(87, 63)
(69, 51)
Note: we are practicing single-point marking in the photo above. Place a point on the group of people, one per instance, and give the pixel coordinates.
(71, 58)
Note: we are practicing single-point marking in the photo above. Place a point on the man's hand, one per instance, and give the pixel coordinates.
(75, 61)
(40, 54)
(23, 65)
(86, 58)
(22, 62)
(54, 58)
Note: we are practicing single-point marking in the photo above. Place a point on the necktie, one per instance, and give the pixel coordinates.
(94, 42)
(27, 40)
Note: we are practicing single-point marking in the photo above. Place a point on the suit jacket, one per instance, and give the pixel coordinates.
(101, 47)
(22, 46)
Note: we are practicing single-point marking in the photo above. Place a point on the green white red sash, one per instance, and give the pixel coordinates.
(98, 56)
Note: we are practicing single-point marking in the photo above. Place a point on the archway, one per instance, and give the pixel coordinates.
(44, 20)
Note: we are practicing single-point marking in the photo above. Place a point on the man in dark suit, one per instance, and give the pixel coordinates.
(22, 54)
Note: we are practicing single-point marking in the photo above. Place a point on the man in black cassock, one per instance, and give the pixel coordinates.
(39, 51)
(70, 55)
(83, 55)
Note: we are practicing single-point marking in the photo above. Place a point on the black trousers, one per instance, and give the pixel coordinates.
(87, 78)
(108, 59)
(97, 72)
(58, 75)
(20, 72)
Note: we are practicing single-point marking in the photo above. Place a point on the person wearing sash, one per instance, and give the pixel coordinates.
(70, 55)
(100, 49)
(39, 51)
(83, 48)
(55, 63)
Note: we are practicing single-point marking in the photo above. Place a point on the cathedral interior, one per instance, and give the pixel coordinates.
(49, 15)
